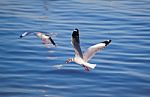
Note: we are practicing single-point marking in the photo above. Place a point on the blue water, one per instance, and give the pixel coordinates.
(29, 69)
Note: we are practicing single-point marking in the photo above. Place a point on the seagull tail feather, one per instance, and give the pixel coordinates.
(92, 66)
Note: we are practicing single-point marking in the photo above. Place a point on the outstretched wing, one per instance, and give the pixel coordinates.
(76, 43)
(24, 34)
(93, 49)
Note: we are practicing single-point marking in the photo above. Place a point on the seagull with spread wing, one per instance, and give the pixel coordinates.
(82, 59)
(46, 39)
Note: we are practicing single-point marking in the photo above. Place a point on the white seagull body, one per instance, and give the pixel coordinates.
(82, 59)
(46, 39)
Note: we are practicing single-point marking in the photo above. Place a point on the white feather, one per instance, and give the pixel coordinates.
(92, 50)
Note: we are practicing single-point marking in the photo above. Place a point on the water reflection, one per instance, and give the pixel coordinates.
(27, 67)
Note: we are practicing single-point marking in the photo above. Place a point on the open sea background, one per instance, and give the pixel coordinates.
(29, 69)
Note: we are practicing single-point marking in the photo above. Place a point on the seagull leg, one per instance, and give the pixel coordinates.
(86, 68)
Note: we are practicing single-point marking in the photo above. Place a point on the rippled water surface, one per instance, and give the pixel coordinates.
(29, 69)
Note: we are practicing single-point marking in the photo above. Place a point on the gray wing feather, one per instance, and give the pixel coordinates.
(93, 49)
(76, 43)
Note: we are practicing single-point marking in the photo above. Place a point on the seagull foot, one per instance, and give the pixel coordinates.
(86, 68)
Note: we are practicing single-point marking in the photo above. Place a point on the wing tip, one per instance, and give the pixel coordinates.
(106, 42)
(75, 32)
(91, 66)
(52, 41)
(76, 29)
(24, 34)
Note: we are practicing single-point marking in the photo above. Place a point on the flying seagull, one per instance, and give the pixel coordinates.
(82, 59)
(46, 39)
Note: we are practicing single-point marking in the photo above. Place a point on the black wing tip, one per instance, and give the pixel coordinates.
(24, 34)
(76, 29)
(20, 36)
(75, 32)
(52, 41)
(106, 42)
